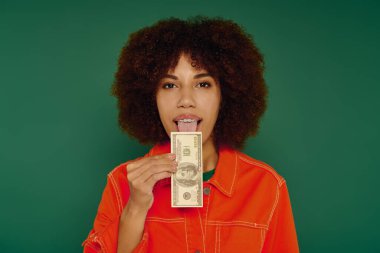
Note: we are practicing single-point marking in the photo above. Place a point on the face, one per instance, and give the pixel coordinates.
(189, 93)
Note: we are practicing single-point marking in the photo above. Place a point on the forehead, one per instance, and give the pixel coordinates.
(184, 64)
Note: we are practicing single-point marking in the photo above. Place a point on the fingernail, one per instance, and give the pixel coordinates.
(172, 156)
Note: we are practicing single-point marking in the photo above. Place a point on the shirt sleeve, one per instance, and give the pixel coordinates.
(104, 235)
(281, 236)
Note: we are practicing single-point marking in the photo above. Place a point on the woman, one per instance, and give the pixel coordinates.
(207, 71)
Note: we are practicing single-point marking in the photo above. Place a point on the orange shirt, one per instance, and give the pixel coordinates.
(246, 208)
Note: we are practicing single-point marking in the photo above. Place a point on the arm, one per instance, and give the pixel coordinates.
(120, 229)
(131, 228)
(142, 176)
(103, 236)
(281, 236)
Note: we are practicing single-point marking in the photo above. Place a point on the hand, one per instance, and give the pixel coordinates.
(143, 174)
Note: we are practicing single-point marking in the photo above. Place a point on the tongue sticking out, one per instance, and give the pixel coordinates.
(187, 126)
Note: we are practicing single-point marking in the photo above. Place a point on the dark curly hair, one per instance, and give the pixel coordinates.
(217, 45)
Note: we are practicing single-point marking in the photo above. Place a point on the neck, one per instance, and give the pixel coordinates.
(210, 156)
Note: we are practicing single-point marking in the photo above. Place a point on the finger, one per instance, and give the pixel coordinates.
(146, 160)
(144, 182)
(153, 179)
(154, 169)
(158, 161)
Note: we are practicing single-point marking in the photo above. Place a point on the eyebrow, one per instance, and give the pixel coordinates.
(195, 77)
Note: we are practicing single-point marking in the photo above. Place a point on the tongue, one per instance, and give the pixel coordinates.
(187, 126)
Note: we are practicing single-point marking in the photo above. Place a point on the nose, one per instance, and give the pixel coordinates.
(186, 98)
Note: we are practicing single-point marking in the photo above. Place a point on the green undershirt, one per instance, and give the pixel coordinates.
(208, 174)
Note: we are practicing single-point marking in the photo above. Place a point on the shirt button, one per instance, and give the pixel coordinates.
(197, 251)
(206, 191)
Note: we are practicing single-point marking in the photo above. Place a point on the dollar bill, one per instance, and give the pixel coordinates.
(187, 182)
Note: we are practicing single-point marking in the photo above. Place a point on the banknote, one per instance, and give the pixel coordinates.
(187, 182)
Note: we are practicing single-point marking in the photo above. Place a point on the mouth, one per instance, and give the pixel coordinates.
(187, 123)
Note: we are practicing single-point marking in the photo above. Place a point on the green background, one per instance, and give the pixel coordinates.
(59, 135)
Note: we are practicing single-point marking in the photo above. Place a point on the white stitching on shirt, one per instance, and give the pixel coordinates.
(229, 193)
(274, 205)
(216, 239)
(237, 223)
(116, 189)
(208, 204)
(218, 245)
(280, 182)
(262, 239)
(203, 235)
(236, 168)
(159, 219)
(100, 241)
(221, 188)
(264, 166)
(91, 241)
(187, 244)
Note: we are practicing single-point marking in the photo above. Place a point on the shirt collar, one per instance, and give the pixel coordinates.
(226, 171)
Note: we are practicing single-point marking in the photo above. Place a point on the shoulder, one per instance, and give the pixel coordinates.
(117, 184)
(251, 166)
(118, 171)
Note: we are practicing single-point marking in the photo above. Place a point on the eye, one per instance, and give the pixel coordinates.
(168, 86)
(204, 85)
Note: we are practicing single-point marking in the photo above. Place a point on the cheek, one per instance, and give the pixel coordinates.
(212, 109)
(213, 104)
(163, 106)
(161, 110)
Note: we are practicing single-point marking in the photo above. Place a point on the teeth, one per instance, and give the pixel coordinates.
(187, 120)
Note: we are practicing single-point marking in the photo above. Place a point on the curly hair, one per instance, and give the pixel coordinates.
(217, 45)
